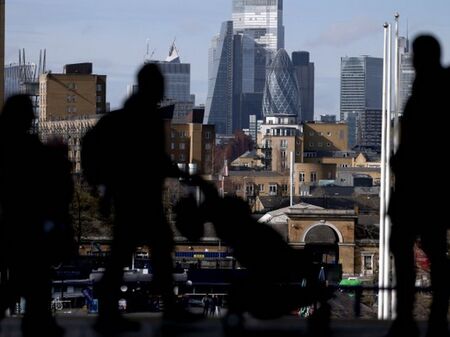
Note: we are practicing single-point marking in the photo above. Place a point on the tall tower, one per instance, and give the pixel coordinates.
(407, 73)
(2, 52)
(262, 20)
(361, 84)
(361, 90)
(218, 110)
(304, 69)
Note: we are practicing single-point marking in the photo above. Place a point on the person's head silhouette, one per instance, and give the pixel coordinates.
(151, 82)
(17, 114)
(426, 54)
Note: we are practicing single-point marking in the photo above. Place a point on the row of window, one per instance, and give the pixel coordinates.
(312, 176)
(182, 146)
(72, 99)
(319, 144)
(184, 134)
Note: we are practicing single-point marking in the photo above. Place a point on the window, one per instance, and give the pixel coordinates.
(70, 98)
(328, 144)
(328, 133)
(71, 109)
(284, 188)
(207, 135)
(283, 154)
(311, 133)
(301, 176)
(313, 177)
(99, 88)
(172, 156)
(283, 143)
(208, 146)
(172, 134)
(182, 157)
(71, 85)
(261, 187)
(273, 189)
(207, 157)
(99, 99)
(367, 264)
(311, 144)
(182, 146)
(319, 144)
(172, 146)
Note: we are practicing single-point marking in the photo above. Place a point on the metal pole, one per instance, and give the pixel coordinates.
(395, 139)
(291, 179)
(382, 186)
(387, 225)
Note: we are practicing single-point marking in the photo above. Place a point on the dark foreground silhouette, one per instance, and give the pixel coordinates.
(276, 271)
(125, 155)
(35, 192)
(414, 216)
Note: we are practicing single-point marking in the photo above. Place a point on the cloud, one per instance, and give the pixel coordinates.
(345, 33)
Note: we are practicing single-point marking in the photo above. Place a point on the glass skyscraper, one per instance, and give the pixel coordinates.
(304, 69)
(361, 84)
(281, 92)
(361, 90)
(407, 73)
(218, 110)
(262, 20)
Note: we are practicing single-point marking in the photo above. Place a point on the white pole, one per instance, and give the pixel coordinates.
(387, 225)
(291, 178)
(395, 140)
(382, 185)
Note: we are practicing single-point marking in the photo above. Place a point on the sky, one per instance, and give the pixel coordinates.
(114, 34)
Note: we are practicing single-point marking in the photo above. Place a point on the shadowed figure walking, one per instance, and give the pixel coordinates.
(275, 271)
(125, 153)
(35, 192)
(412, 216)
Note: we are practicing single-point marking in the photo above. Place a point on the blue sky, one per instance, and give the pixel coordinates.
(113, 34)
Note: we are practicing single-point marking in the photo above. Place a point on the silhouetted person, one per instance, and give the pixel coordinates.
(35, 192)
(274, 270)
(131, 164)
(413, 215)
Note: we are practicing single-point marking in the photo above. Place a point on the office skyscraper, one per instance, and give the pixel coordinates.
(257, 32)
(407, 73)
(304, 70)
(281, 91)
(361, 89)
(361, 84)
(218, 109)
(262, 20)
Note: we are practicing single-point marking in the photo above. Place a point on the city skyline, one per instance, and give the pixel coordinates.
(113, 35)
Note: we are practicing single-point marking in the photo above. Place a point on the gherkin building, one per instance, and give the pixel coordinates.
(281, 89)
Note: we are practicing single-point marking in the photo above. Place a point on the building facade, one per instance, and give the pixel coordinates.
(262, 20)
(218, 109)
(361, 84)
(192, 143)
(71, 95)
(304, 70)
(406, 73)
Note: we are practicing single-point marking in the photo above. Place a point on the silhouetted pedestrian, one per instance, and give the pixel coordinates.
(35, 192)
(412, 216)
(125, 153)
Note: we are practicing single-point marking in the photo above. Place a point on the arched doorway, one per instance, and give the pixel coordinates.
(322, 242)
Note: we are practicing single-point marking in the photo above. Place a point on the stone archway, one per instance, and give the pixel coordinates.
(322, 241)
